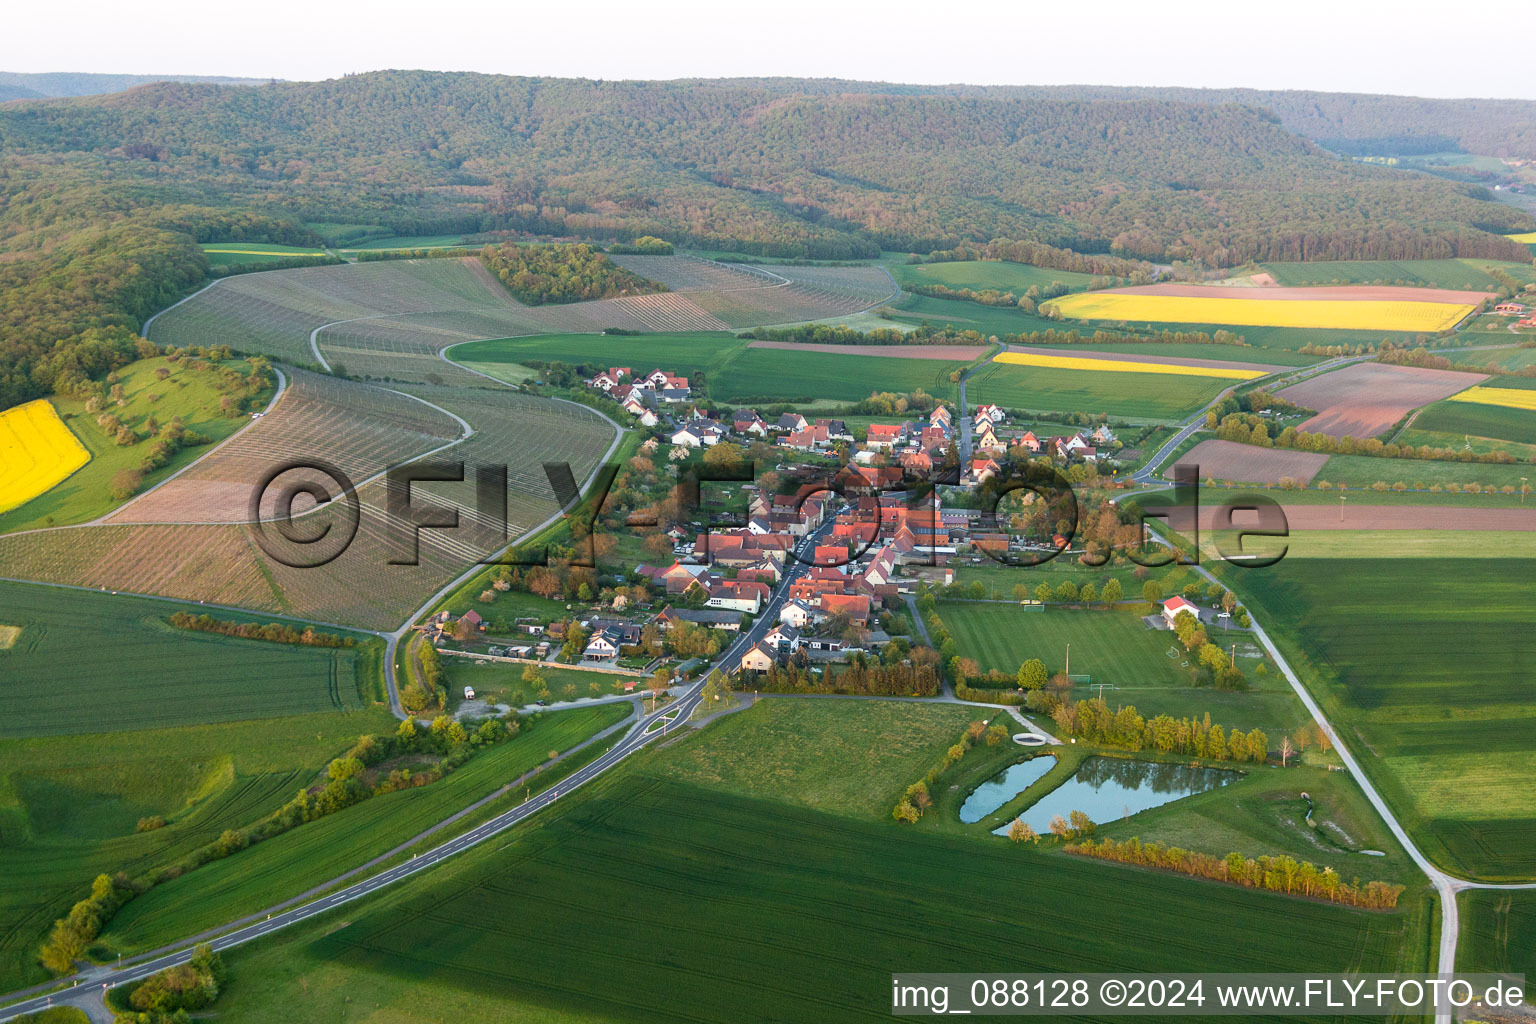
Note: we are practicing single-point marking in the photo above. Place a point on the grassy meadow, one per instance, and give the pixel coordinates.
(1457, 274)
(770, 903)
(980, 275)
(190, 394)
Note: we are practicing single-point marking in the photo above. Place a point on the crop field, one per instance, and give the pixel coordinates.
(1367, 314)
(1502, 397)
(1359, 471)
(317, 851)
(1529, 237)
(791, 294)
(1512, 359)
(237, 254)
(1457, 418)
(1412, 660)
(1228, 460)
(777, 375)
(1450, 273)
(128, 669)
(37, 451)
(86, 494)
(1231, 354)
(1364, 399)
(795, 944)
(979, 275)
(1498, 932)
(1140, 395)
(683, 354)
(1099, 364)
(361, 429)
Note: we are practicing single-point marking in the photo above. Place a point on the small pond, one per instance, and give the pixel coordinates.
(1109, 788)
(1003, 787)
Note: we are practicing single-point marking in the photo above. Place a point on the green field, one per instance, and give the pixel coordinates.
(187, 393)
(318, 851)
(1462, 419)
(1416, 661)
(502, 682)
(88, 662)
(1498, 932)
(684, 354)
(1142, 396)
(1516, 357)
(1221, 353)
(1450, 273)
(240, 254)
(406, 242)
(1362, 471)
(779, 375)
(980, 275)
(69, 806)
(590, 900)
(1136, 665)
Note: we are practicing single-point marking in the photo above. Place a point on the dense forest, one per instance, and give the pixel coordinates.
(538, 274)
(103, 198)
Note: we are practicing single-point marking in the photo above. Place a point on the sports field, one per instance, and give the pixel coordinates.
(793, 944)
(129, 669)
(1401, 315)
(1138, 395)
(1135, 664)
(1412, 660)
(36, 451)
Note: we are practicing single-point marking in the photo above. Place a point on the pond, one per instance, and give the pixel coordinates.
(1003, 787)
(1109, 788)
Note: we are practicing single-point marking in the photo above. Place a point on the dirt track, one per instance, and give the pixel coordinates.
(1327, 293)
(1364, 399)
(963, 353)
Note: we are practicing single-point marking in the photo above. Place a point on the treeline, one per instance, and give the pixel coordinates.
(539, 274)
(274, 632)
(1038, 254)
(866, 677)
(1246, 428)
(1421, 357)
(645, 245)
(917, 798)
(1276, 874)
(435, 253)
(355, 776)
(1125, 727)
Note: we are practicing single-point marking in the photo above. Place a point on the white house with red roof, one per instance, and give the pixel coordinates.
(1176, 606)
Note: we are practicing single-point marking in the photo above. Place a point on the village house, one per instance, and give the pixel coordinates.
(760, 658)
(795, 613)
(883, 436)
(603, 646)
(1175, 606)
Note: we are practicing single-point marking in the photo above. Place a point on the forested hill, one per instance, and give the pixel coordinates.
(15, 85)
(103, 197)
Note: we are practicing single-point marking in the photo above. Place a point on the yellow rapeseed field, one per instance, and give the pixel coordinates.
(1509, 398)
(1124, 366)
(1529, 238)
(36, 451)
(1362, 315)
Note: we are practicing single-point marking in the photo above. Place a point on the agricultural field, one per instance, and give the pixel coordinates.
(1360, 471)
(1360, 315)
(242, 254)
(1411, 659)
(1498, 931)
(1229, 460)
(360, 429)
(686, 354)
(1236, 355)
(1365, 399)
(318, 851)
(1528, 238)
(129, 669)
(1471, 415)
(1136, 396)
(980, 275)
(778, 375)
(37, 452)
(1460, 274)
(193, 395)
(1135, 664)
(1497, 393)
(794, 951)
(71, 804)
(1104, 364)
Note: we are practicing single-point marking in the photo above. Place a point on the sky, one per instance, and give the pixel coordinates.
(1409, 47)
